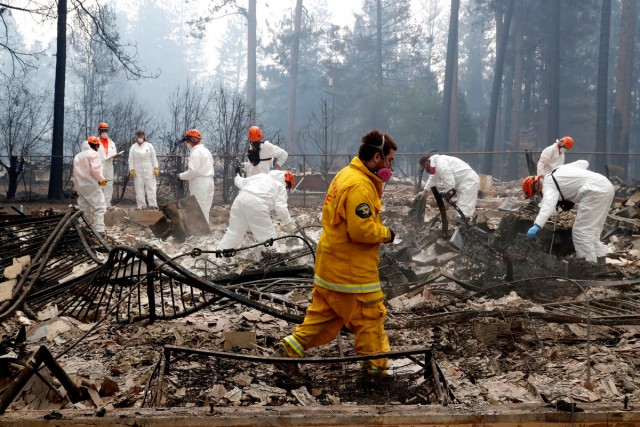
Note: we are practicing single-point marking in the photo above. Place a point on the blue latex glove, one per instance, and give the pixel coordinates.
(533, 231)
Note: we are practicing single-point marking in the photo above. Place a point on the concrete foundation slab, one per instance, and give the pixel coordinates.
(516, 415)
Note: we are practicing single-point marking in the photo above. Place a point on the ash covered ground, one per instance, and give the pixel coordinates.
(503, 328)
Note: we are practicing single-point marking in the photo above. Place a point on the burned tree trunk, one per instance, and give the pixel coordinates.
(16, 166)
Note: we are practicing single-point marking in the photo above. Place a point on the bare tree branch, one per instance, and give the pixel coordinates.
(111, 39)
(24, 122)
(229, 8)
(18, 58)
(41, 10)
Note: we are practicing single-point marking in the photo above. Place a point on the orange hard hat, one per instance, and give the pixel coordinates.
(103, 125)
(194, 133)
(528, 185)
(567, 142)
(93, 140)
(255, 134)
(289, 179)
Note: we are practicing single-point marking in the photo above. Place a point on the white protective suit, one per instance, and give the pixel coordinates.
(87, 174)
(107, 168)
(200, 176)
(269, 154)
(142, 160)
(451, 172)
(592, 191)
(258, 196)
(550, 158)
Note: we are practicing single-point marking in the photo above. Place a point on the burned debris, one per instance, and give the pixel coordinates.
(481, 315)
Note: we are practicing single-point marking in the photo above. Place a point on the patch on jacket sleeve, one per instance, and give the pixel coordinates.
(363, 210)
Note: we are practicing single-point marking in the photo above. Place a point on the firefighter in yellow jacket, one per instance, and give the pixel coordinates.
(346, 288)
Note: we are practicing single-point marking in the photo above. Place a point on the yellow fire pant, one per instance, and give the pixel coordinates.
(363, 314)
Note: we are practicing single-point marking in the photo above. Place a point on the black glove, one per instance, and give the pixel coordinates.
(238, 170)
(393, 236)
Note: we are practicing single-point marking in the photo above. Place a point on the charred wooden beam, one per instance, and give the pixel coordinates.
(270, 273)
(443, 212)
(41, 356)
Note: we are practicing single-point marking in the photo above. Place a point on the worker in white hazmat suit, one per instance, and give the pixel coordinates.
(447, 172)
(263, 155)
(199, 172)
(553, 156)
(574, 183)
(143, 168)
(108, 152)
(259, 195)
(88, 182)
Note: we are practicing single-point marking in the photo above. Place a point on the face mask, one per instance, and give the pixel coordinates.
(140, 140)
(563, 150)
(384, 174)
(103, 135)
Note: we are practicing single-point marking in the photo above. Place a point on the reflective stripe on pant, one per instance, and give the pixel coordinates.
(363, 314)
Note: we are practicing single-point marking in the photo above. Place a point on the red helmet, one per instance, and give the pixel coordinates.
(194, 133)
(567, 142)
(255, 134)
(93, 140)
(289, 180)
(103, 125)
(528, 185)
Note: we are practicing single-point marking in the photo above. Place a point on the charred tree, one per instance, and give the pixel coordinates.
(495, 90)
(15, 169)
(293, 77)
(57, 143)
(553, 64)
(624, 84)
(251, 56)
(452, 50)
(516, 98)
(378, 116)
(603, 84)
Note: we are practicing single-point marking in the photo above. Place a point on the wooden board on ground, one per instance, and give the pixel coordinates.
(147, 217)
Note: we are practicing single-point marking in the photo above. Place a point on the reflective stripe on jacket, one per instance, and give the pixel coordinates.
(348, 250)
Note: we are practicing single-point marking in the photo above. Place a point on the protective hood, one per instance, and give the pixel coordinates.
(278, 176)
(85, 146)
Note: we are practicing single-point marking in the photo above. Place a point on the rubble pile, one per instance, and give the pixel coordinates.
(500, 330)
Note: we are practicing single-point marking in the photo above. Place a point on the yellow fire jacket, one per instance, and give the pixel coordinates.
(349, 248)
